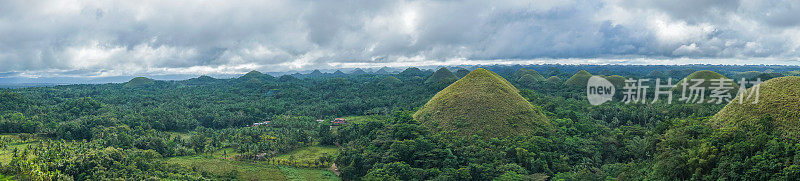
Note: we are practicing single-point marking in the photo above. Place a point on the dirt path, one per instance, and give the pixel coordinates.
(335, 169)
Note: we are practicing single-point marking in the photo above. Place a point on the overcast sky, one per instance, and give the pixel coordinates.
(141, 37)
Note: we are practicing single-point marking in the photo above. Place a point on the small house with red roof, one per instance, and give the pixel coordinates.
(339, 121)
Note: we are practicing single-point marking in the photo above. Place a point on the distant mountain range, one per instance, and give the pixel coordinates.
(9, 81)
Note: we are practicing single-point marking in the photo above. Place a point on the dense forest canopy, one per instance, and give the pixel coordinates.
(149, 129)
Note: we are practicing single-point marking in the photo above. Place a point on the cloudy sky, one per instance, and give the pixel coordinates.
(113, 38)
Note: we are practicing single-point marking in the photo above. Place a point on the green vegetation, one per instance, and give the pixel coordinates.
(460, 73)
(229, 168)
(239, 170)
(527, 80)
(441, 78)
(412, 71)
(482, 103)
(310, 154)
(358, 71)
(139, 82)
(778, 98)
(382, 71)
(579, 79)
(523, 71)
(254, 75)
(390, 81)
(617, 81)
(554, 80)
(257, 127)
(292, 173)
(656, 74)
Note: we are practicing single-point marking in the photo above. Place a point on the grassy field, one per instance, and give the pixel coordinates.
(217, 164)
(5, 154)
(3, 177)
(293, 173)
(309, 154)
(361, 119)
(250, 171)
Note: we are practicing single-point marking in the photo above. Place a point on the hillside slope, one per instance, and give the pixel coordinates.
(485, 104)
(778, 98)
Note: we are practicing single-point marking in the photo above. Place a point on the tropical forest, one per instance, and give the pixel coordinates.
(471, 122)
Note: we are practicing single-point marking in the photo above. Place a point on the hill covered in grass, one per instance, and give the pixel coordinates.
(579, 79)
(616, 80)
(527, 80)
(442, 77)
(461, 72)
(554, 80)
(485, 104)
(412, 71)
(390, 81)
(139, 82)
(523, 71)
(778, 98)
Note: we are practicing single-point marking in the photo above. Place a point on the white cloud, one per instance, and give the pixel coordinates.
(144, 37)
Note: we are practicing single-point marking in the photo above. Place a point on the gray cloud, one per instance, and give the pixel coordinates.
(113, 38)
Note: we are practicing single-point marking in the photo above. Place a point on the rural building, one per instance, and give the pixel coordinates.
(339, 121)
(265, 123)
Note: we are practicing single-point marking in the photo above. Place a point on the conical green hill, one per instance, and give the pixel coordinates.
(412, 71)
(253, 83)
(778, 98)
(358, 71)
(617, 81)
(339, 73)
(554, 80)
(252, 74)
(707, 76)
(255, 74)
(656, 74)
(389, 81)
(442, 76)
(383, 70)
(523, 71)
(139, 82)
(527, 80)
(579, 79)
(288, 78)
(203, 79)
(316, 73)
(460, 73)
(485, 104)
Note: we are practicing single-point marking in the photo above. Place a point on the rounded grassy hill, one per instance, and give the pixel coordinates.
(485, 104)
(779, 98)
(383, 70)
(616, 80)
(460, 73)
(527, 80)
(358, 71)
(287, 78)
(442, 76)
(139, 82)
(252, 74)
(389, 81)
(554, 80)
(412, 71)
(579, 79)
(523, 71)
(255, 75)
